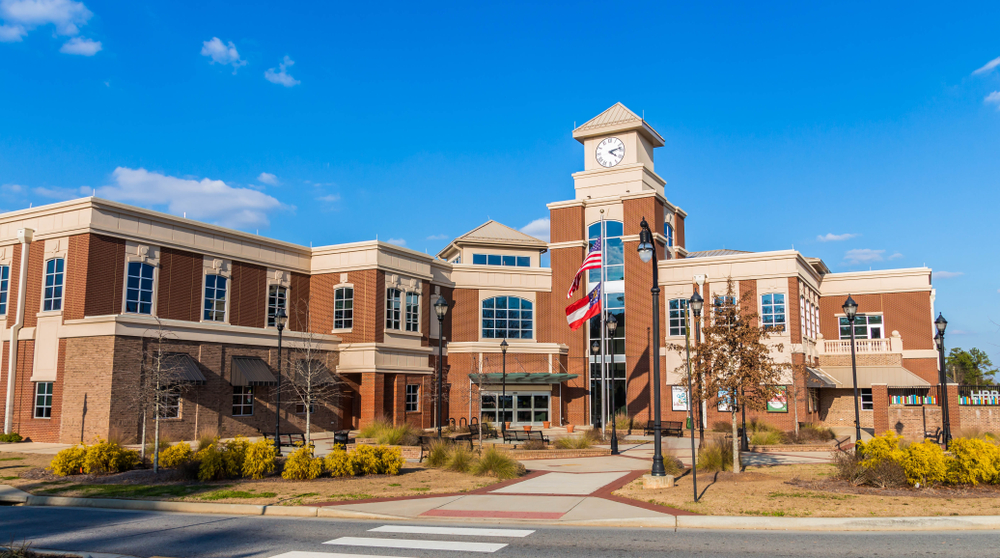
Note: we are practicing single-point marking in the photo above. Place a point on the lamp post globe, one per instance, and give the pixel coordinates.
(440, 308)
(279, 322)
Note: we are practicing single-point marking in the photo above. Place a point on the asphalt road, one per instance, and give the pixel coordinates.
(188, 536)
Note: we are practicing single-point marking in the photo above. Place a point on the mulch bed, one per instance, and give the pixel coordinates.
(941, 491)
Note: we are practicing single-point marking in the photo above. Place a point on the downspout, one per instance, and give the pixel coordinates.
(24, 236)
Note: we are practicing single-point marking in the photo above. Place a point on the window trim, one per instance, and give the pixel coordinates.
(36, 407)
(394, 323)
(176, 395)
(343, 286)
(416, 398)
(152, 293)
(868, 330)
(684, 318)
(784, 313)
(4, 289)
(62, 284)
(407, 314)
(204, 298)
(267, 302)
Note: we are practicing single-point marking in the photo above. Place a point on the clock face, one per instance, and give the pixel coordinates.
(610, 152)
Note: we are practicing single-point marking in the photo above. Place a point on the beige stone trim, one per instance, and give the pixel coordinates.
(518, 346)
(917, 279)
(46, 334)
(515, 279)
(379, 357)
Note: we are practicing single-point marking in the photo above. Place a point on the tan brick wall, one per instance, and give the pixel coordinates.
(836, 408)
(794, 309)
(86, 405)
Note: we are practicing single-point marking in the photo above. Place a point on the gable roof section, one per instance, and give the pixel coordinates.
(712, 253)
(495, 234)
(618, 118)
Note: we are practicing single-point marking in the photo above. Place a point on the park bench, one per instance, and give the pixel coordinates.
(487, 428)
(675, 427)
(934, 435)
(291, 440)
(524, 436)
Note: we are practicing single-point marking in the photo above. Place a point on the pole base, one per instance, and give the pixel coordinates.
(649, 482)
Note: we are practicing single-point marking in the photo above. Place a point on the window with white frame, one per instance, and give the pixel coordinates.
(242, 401)
(772, 310)
(139, 288)
(392, 308)
(866, 326)
(867, 402)
(277, 299)
(412, 312)
(720, 302)
(677, 316)
(412, 398)
(4, 287)
(215, 298)
(802, 316)
(815, 320)
(507, 317)
(53, 295)
(43, 400)
(668, 231)
(170, 405)
(343, 308)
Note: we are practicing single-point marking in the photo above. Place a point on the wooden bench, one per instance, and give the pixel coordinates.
(426, 440)
(291, 440)
(667, 426)
(487, 428)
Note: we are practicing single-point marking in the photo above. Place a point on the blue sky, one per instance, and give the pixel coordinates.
(337, 122)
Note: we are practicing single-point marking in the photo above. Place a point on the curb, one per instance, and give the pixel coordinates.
(145, 505)
(81, 554)
(964, 523)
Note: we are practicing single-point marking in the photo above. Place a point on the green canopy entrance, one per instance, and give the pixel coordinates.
(522, 378)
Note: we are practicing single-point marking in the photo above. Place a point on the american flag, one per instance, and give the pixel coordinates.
(592, 261)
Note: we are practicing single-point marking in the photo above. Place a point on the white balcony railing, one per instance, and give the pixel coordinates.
(893, 344)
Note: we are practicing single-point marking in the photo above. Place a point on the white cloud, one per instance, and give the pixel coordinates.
(895, 256)
(947, 274)
(12, 188)
(205, 199)
(863, 255)
(268, 178)
(539, 228)
(438, 237)
(222, 54)
(397, 241)
(282, 77)
(329, 198)
(12, 33)
(62, 193)
(993, 98)
(81, 46)
(988, 67)
(830, 237)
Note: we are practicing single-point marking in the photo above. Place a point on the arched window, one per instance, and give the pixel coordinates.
(139, 288)
(507, 317)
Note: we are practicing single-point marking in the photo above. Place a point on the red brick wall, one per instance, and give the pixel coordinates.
(24, 423)
(908, 313)
(748, 297)
(298, 304)
(567, 225)
(74, 306)
(368, 304)
(679, 238)
(181, 285)
(33, 294)
(248, 302)
(465, 320)
(105, 269)
(880, 402)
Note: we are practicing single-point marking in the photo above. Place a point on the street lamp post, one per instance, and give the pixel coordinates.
(612, 326)
(595, 349)
(279, 322)
(647, 253)
(851, 309)
(503, 398)
(441, 307)
(940, 323)
(695, 304)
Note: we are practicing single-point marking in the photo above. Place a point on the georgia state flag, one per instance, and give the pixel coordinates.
(582, 310)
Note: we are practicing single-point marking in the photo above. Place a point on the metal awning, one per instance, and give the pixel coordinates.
(868, 375)
(320, 372)
(522, 378)
(817, 378)
(252, 371)
(184, 368)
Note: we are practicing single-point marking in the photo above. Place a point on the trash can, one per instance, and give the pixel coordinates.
(690, 423)
(341, 437)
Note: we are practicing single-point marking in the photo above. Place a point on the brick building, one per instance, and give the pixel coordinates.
(108, 283)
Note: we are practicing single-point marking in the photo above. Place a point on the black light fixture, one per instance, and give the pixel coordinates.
(612, 323)
(279, 321)
(441, 308)
(851, 310)
(595, 349)
(941, 324)
(696, 303)
(647, 253)
(503, 398)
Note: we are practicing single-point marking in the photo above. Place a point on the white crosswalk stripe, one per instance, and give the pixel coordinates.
(306, 554)
(419, 544)
(457, 531)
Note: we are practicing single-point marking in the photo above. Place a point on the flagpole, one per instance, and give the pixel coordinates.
(604, 329)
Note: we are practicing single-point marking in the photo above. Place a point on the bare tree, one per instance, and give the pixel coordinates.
(161, 382)
(312, 378)
(735, 359)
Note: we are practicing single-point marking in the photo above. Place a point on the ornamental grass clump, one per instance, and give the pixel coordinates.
(387, 433)
(461, 460)
(573, 442)
(495, 463)
(301, 465)
(438, 454)
(715, 455)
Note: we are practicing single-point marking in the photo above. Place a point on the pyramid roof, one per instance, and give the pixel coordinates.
(618, 118)
(494, 233)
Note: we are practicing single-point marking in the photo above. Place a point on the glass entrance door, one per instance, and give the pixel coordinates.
(520, 408)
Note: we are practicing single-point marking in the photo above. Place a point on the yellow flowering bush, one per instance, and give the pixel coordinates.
(211, 463)
(68, 461)
(973, 461)
(339, 463)
(109, 457)
(176, 455)
(259, 460)
(925, 464)
(301, 465)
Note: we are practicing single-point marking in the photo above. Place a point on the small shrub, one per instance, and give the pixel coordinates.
(974, 461)
(887, 473)
(925, 464)
(672, 465)
(461, 460)
(387, 433)
(848, 465)
(259, 461)
(716, 455)
(234, 454)
(301, 465)
(68, 461)
(880, 448)
(722, 426)
(766, 437)
(573, 442)
(639, 424)
(211, 464)
(378, 460)
(810, 432)
(594, 435)
(533, 445)
(496, 464)
(759, 425)
(623, 422)
(439, 454)
(12, 437)
(109, 457)
(339, 464)
(176, 455)
(390, 459)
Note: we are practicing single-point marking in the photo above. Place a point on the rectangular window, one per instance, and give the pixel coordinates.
(510, 260)
(52, 299)
(4, 284)
(170, 405)
(343, 308)
(215, 298)
(865, 327)
(523, 261)
(678, 316)
(300, 408)
(392, 303)
(772, 310)
(494, 259)
(479, 259)
(412, 398)
(867, 403)
(277, 299)
(43, 400)
(802, 316)
(139, 288)
(242, 401)
(412, 312)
